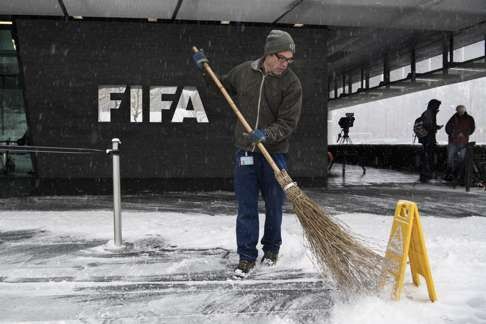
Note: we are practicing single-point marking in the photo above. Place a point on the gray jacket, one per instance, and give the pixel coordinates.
(268, 102)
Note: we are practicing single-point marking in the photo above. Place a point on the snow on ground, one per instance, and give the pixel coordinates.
(57, 266)
(457, 252)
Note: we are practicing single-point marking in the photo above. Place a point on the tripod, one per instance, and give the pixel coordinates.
(467, 170)
(343, 137)
(474, 171)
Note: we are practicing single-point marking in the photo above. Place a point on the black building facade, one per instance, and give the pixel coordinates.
(86, 82)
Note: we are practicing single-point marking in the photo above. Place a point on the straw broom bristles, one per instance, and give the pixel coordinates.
(354, 267)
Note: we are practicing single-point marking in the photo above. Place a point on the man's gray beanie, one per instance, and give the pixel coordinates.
(278, 41)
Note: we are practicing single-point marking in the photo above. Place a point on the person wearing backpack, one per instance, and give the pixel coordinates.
(428, 140)
(459, 127)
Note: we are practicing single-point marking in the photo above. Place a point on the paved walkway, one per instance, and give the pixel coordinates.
(55, 266)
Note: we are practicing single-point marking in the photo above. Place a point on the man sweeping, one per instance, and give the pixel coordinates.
(270, 97)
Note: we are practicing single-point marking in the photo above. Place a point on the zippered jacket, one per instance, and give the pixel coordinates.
(459, 128)
(272, 103)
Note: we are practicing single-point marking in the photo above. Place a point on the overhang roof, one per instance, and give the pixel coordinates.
(450, 15)
(363, 34)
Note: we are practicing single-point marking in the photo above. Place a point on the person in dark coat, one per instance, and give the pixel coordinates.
(269, 95)
(459, 127)
(429, 141)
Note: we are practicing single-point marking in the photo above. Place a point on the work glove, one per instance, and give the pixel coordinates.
(256, 136)
(200, 58)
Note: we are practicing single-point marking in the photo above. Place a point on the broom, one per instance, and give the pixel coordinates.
(354, 267)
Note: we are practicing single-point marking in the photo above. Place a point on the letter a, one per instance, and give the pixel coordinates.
(181, 112)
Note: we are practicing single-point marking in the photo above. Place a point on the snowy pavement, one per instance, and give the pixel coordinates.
(57, 262)
(59, 266)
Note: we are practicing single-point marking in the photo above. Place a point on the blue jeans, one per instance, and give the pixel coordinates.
(249, 180)
(455, 156)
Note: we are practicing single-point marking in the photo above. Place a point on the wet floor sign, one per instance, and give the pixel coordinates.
(406, 242)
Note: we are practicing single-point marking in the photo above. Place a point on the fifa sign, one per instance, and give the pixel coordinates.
(157, 103)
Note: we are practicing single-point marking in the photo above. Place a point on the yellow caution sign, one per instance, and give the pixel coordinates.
(406, 242)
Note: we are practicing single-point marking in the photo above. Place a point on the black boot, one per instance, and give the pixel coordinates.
(243, 269)
(269, 258)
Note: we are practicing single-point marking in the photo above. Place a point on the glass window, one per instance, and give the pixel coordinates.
(436, 62)
(375, 81)
(397, 75)
(13, 123)
(473, 51)
(423, 66)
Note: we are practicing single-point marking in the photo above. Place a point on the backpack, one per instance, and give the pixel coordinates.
(419, 129)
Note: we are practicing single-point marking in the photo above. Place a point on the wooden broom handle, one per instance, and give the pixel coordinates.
(239, 115)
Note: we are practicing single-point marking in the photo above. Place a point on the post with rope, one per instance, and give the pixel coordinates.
(114, 151)
(116, 192)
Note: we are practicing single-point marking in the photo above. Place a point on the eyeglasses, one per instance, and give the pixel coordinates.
(283, 59)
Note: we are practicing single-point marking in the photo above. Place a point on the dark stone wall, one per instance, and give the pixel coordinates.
(64, 62)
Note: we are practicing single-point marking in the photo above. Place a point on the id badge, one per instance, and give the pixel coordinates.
(246, 160)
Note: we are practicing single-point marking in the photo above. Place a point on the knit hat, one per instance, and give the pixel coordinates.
(278, 41)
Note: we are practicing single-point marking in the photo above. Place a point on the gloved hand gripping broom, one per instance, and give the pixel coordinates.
(353, 266)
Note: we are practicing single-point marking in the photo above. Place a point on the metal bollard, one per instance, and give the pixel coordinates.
(116, 192)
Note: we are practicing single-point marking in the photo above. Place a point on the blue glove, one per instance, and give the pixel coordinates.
(200, 58)
(257, 136)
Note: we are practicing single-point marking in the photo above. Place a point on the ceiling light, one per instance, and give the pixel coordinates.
(150, 19)
(298, 25)
(78, 17)
(428, 79)
(225, 22)
(4, 22)
(468, 68)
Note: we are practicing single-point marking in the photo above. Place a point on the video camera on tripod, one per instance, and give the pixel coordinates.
(345, 123)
